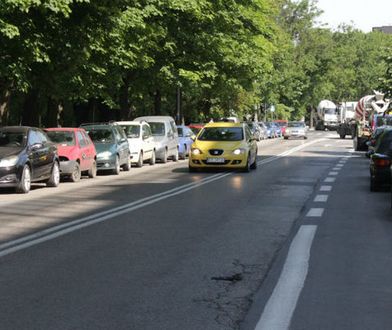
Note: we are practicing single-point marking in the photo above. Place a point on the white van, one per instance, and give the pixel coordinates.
(164, 132)
(141, 142)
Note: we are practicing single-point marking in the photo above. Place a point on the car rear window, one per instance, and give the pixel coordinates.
(12, 139)
(157, 129)
(221, 134)
(101, 135)
(132, 131)
(62, 137)
(296, 124)
(385, 145)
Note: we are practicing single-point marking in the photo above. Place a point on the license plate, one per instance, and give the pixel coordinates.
(215, 160)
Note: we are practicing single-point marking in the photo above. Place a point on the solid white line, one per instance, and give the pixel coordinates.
(329, 180)
(325, 188)
(280, 307)
(315, 212)
(321, 198)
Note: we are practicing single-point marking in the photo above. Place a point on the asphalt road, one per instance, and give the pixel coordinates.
(160, 248)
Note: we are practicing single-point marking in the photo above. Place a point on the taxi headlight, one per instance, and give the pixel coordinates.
(238, 151)
(196, 151)
(9, 161)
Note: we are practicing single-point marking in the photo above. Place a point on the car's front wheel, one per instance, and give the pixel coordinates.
(24, 184)
(54, 179)
(140, 160)
(152, 159)
(127, 165)
(116, 169)
(76, 174)
(92, 172)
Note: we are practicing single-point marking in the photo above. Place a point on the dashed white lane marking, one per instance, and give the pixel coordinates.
(280, 307)
(315, 212)
(333, 173)
(325, 188)
(339, 165)
(336, 169)
(321, 198)
(329, 180)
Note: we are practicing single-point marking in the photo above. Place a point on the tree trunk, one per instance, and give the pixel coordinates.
(53, 113)
(126, 110)
(30, 115)
(5, 95)
(157, 102)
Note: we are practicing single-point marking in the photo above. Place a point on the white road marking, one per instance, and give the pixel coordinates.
(321, 198)
(339, 165)
(333, 173)
(315, 212)
(65, 228)
(329, 180)
(325, 188)
(280, 307)
(337, 168)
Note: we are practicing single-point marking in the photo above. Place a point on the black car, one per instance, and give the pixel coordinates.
(27, 155)
(380, 161)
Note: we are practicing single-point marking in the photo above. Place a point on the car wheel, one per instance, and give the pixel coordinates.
(92, 172)
(24, 184)
(183, 155)
(192, 169)
(127, 166)
(247, 166)
(76, 174)
(286, 137)
(54, 179)
(305, 137)
(116, 169)
(152, 159)
(175, 156)
(164, 158)
(140, 160)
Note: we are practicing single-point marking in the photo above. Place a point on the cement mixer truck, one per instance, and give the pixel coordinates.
(327, 115)
(370, 112)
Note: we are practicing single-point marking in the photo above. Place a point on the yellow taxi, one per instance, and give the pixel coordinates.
(224, 145)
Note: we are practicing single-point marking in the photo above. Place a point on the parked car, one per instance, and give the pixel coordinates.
(224, 145)
(380, 161)
(185, 140)
(164, 132)
(295, 129)
(263, 129)
(111, 145)
(76, 152)
(256, 130)
(374, 138)
(278, 129)
(27, 155)
(141, 142)
(271, 130)
(282, 123)
(196, 128)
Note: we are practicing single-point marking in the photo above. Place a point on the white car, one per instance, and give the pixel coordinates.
(141, 142)
(164, 132)
(295, 129)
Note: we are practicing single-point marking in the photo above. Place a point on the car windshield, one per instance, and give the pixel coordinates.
(282, 123)
(12, 139)
(180, 131)
(102, 135)
(132, 131)
(331, 111)
(62, 137)
(385, 146)
(296, 124)
(157, 129)
(269, 125)
(221, 134)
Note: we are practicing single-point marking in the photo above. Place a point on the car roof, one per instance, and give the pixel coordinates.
(17, 128)
(154, 118)
(131, 122)
(224, 124)
(92, 126)
(64, 129)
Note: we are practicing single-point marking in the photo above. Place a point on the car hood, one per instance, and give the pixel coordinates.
(225, 145)
(64, 150)
(9, 151)
(101, 147)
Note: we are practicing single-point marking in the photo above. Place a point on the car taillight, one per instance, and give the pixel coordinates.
(382, 162)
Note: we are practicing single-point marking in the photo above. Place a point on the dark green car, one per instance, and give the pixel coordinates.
(112, 147)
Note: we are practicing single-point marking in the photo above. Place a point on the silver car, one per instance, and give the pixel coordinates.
(295, 129)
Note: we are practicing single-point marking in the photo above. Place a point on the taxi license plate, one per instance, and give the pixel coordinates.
(215, 160)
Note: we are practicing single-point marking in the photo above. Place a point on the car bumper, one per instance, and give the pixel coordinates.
(67, 167)
(9, 177)
(106, 164)
(224, 162)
